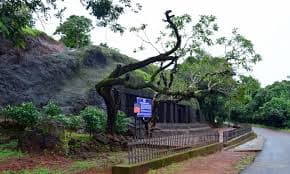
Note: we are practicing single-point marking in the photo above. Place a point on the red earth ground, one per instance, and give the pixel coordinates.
(34, 161)
(219, 163)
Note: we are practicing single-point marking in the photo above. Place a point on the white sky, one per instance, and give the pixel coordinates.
(265, 22)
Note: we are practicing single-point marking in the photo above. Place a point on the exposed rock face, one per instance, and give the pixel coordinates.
(45, 71)
(34, 79)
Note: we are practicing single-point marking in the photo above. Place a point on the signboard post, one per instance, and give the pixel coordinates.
(143, 110)
(145, 107)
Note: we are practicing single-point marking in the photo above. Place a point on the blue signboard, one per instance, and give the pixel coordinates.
(145, 107)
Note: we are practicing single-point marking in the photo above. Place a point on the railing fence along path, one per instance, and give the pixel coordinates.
(231, 134)
(141, 150)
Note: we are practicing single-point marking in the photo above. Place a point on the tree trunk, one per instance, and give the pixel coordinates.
(107, 94)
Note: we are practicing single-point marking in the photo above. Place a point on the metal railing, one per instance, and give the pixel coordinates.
(141, 150)
(231, 134)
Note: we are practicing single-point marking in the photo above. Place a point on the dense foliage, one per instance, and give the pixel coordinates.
(96, 120)
(16, 15)
(74, 31)
(92, 119)
(51, 109)
(122, 123)
(269, 106)
(25, 114)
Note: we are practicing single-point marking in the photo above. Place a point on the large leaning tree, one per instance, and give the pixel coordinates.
(178, 44)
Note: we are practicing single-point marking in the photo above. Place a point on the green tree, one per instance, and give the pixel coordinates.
(239, 52)
(16, 15)
(269, 105)
(95, 119)
(26, 114)
(244, 92)
(74, 31)
(275, 112)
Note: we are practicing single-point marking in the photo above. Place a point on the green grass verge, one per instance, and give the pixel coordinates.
(244, 162)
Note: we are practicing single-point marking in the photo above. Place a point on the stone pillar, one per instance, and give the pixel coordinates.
(163, 113)
(186, 115)
(176, 119)
(171, 112)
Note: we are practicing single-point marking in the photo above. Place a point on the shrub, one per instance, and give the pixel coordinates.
(25, 114)
(122, 122)
(94, 118)
(52, 109)
(63, 119)
(76, 123)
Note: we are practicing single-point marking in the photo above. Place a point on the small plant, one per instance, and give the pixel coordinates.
(52, 109)
(63, 119)
(122, 122)
(25, 114)
(76, 123)
(95, 119)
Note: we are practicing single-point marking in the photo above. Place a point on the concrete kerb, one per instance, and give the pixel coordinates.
(167, 160)
(239, 140)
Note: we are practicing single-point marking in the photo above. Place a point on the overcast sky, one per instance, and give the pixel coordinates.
(265, 22)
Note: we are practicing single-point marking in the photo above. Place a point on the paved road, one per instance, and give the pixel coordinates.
(275, 157)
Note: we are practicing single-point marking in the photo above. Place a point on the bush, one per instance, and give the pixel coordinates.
(94, 118)
(52, 109)
(63, 119)
(76, 123)
(122, 122)
(25, 114)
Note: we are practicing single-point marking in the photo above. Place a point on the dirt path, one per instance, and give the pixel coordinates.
(224, 162)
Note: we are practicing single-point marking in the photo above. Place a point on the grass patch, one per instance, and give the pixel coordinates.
(9, 150)
(81, 137)
(6, 153)
(244, 162)
(174, 167)
(81, 165)
(28, 31)
(11, 145)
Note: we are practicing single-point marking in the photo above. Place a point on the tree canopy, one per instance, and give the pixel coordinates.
(74, 31)
(179, 44)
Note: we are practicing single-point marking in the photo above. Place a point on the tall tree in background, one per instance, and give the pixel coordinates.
(244, 92)
(74, 31)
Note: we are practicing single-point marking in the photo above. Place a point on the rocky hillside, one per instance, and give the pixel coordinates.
(46, 70)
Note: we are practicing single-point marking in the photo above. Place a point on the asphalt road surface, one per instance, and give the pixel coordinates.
(275, 157)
